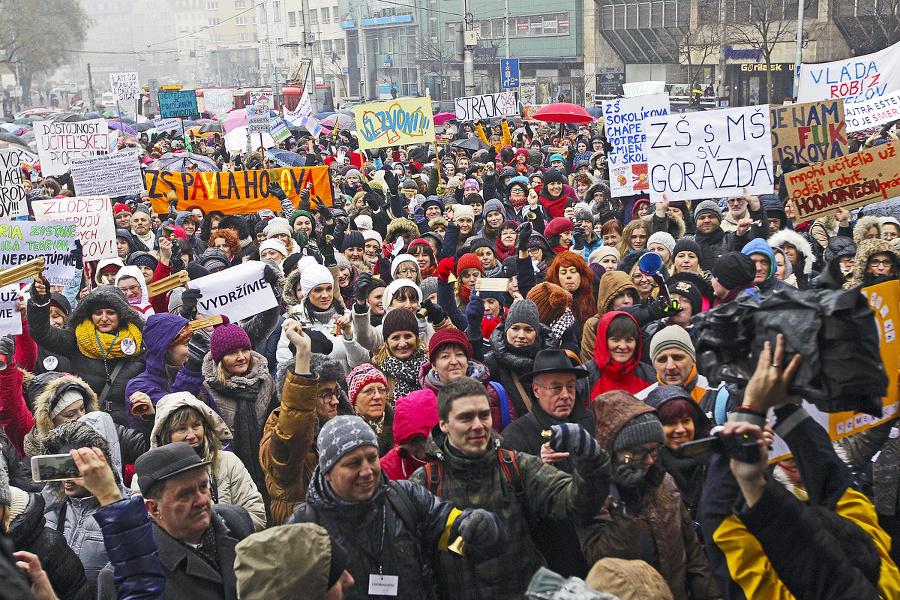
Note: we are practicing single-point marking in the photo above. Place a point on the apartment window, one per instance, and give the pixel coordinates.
(213, 21)
(276, 9)
(215, 38)
(313, 16)
(336, 13)
(240, 3)
(326, 15)
(327, 47)
(339, 47)
(212, 6)
(243, 37)
(292, 19)
(239, 20)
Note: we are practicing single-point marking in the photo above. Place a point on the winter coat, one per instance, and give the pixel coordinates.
(771, 284)
(133, 554)
(604, 374)
(507, 366)
(831, 277)
(865, 250)
(611, 285)
(15, 417)
(351, 356)
(231, 481)
(287, 452)
(662, 534)
(94, 371)
(222, 397)
(672, 223)
(429, 380)
(804, 270)
(80, 529)
(357, 528)
(715, 244)
(777, 547)
(29, 532)
(414, 415)
(857, 451)
(549, 495)
(56, 385)
(159, 333)
(369, 337)
(188, 576)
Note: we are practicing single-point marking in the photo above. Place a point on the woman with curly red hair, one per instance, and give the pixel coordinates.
(227, 241)
(570, 272)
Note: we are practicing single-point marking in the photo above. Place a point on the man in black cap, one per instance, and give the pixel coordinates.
(553, 388)
(196, 540)
(732, 273)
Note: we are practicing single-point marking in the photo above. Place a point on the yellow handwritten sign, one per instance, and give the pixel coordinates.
(394, 123)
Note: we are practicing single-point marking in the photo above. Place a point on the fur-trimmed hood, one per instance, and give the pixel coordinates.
(102, 297)
(797, 241)
(675, 225)
(865, 250)
(401, 226)
(169, 403)
(289, 287)
(46, 399)
(863, 225)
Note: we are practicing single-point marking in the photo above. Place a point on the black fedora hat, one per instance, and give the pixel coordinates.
(553, 361)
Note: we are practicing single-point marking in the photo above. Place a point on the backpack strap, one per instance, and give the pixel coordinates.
(400, 501)
(505, 417)
(514, 476)
(434, 470)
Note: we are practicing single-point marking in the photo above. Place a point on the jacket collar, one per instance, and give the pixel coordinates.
(173, 554)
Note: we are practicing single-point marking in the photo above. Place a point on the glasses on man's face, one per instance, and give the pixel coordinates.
(878, 262)
(132, 289)
(735, 200)
(641, 455)
(556, 390)
(326, 394)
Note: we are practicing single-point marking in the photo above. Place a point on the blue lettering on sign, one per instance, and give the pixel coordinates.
(393, 122)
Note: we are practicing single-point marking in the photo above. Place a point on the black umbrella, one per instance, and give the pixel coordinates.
(72, 118)
(473, 143)
(215, 127)
(143, 126)
(13, 139)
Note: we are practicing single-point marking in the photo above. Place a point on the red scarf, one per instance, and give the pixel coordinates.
(464, 292)
(504, 251)
(429, 272)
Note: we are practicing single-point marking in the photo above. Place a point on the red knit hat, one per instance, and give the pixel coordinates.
(121, 208)
(362, 376)
(468, 261)
(557, 226)
(449, 335)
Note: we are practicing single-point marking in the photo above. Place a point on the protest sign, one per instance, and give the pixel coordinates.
(117, 174)
(643, 88)
(12, 194)
(218, 101)
(278, 129)
(693, 156)
(236, 192)
(170, 124)
(309, 122)
(10, 320)
(61, 142)
(257, 118)
(809, 132)
(856, 79)
(261, 98)
(848, 182)
(884, 299)
(182, 103)
(627, 162)
(124, 86)
(22, 241)
(488, 106)
(874, 112)
(407, 121)
(304, 106)
(528, 110)
(237, 293)
(93, 220)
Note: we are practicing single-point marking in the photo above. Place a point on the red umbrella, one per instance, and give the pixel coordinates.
(441, 118)
(563, 112)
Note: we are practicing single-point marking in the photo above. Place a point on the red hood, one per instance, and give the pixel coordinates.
(415, 414)
(609, 367)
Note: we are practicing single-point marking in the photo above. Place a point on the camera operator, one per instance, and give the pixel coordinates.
(765, 543)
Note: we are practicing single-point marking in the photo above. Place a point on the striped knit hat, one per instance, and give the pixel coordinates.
(362, 376)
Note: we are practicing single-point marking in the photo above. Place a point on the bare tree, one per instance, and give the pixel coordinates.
(698, 45)
(436, 58)
(762, 24)
(887, 19)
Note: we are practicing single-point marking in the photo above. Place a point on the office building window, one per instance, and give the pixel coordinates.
(240, 20)
(326, 16)
(292, 19)
(276, 10)
(213, 21)
(313, 16)
(243, 37)
(240, 3)
(212, 6)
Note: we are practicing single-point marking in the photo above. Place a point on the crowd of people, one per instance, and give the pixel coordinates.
(470, 386)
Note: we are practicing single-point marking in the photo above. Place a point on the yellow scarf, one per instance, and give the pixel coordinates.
(95, 344)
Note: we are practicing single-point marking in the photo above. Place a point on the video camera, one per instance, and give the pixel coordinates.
(739, 447)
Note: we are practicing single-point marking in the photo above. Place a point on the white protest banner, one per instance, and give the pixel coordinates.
(124, 86)
(237, 293)
(871, 113)
(856, 79)
(117, 174)
(12, 194)
(304, 107)
(643, 88)
(693, 156)
(627, 162)
(170, 124)
(93, 219)
(257, 118)
(61, 142)
(470, 108)
(278, 129)
(263, 98)
(22, 241)
(218, 101)
(10, 320)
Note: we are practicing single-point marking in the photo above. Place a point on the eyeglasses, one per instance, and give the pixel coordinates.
(380, 390)
(407, 271)
(641, 455)
(133, 289)
(326, 394)
(556, 390)
(517, 192)
(735, 200)
(875, 262)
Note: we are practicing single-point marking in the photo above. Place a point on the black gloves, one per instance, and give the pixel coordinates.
(474, 315)
(574, 439)
(38, 299)
(524, 234)
(659, 309)
(628, 479)
(277, 191)
(434, 313)
(340, 225)
(328, 255)
(189, 302)
(579, 234)
(78, 255)
(479, 528)
(323, 210)
(361, 287)
(197, 349)
(271, 275)
(392, 181)
(7, 348)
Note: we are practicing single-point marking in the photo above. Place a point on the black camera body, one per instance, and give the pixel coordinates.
(739, 447)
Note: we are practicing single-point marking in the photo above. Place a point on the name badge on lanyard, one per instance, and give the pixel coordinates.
(383, 585)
